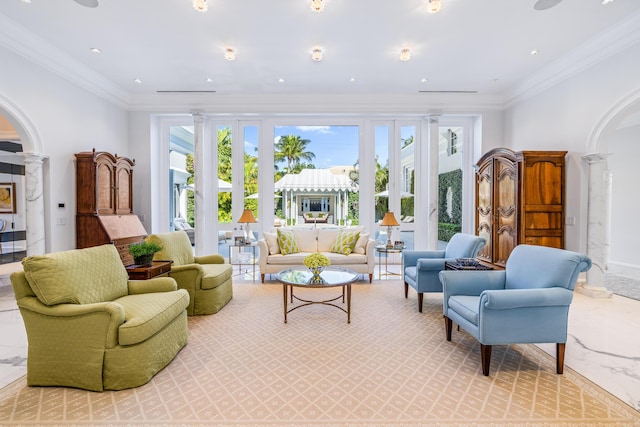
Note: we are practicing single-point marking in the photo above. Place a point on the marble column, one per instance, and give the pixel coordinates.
(432, 196)
(598, 223)
(34, 203)
(198, 180)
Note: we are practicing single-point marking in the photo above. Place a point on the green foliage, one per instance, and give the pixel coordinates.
(144, 248)
(293, 150)
(449, 224)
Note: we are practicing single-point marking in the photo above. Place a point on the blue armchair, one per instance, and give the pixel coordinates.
(528, 302)
(420, 268)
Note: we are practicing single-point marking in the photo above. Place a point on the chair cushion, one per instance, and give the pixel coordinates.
(288, 242)
(147, 314)
(215, 275)
(79, 276)
(176, 247)
(466, 306)
(411, 272)
(345, 242)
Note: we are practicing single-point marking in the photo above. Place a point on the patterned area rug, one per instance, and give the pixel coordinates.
(622, 285)
(390, 366)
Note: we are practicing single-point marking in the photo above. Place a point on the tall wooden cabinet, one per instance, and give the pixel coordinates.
(520, 198)
(104, 202)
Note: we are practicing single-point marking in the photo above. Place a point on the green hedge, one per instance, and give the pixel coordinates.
(446, 230)
(449, 224)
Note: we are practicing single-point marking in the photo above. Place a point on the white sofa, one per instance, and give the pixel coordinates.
(361, 260)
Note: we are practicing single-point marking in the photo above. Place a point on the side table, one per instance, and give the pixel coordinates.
(382, 249)
(157, 268)
(452, 265)
(240, 261)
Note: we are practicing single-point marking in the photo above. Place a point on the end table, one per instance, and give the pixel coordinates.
(157, 269)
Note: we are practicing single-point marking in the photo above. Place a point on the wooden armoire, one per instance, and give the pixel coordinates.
(520, 198)
(104, 203)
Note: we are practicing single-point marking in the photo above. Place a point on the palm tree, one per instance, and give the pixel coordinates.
(292, 149)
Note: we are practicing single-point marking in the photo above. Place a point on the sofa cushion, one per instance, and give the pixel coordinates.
(147, 314)
(340, 259)
(345, 242)
(176, 246)
(291, 259)
(307, 240)
(215, 275)
(272, 243)
(288, 242)
(361, 244)
(79, 276)
(326, 238)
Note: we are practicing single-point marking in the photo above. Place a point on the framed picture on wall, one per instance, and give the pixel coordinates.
(8, 197)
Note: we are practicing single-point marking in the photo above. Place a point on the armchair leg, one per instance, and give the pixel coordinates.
(485, 355)
(420, 299)
(406, 289)
(560, 357)
(371, 278)
(448, 325)
(262, 277)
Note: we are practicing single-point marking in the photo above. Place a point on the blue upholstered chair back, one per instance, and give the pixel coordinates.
(464, 246)
(531, 266)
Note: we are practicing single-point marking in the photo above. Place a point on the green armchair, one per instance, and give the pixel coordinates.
(206, 278)
(90, 327)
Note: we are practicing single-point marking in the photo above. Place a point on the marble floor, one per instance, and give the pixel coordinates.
(603, 343)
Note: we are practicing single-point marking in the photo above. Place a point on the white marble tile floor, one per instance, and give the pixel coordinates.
(603, 344)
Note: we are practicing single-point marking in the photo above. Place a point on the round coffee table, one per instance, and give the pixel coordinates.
(330, 277)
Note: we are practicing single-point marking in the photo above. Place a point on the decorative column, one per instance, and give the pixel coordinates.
(432, 196)
(598, 223)
(198, 180)
(34, 206)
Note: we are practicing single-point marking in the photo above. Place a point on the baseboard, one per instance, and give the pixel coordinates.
(624, 269)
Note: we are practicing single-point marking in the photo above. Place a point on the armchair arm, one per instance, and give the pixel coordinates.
(158, 284)
(188, 276)
(263, 254)
(455, 282)
(210, 259)
(92, 321)
(410, 258)
(506, 299)
(430, 264)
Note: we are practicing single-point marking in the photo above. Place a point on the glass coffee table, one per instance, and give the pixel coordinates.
(331, 277)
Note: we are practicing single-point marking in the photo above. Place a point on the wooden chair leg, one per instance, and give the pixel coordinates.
(485, 355)
(406, 289)
(448, 325)
(371, 278)
(420, 299)
(560, 357)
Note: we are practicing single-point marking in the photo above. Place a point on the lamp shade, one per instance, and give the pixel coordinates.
(247, 217)
(389, 220)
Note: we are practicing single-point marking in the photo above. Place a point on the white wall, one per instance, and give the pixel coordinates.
(68, 119)
(563, 118)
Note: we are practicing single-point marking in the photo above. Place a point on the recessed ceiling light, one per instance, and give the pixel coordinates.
(26, 1)
(494, 81)
(280, 80)
(317, 54)
(209, 80)
(423, 80)
(200, 5)
(137, 81)
(352, 79)
(87, 3)
(95, 50)
(533, 52)
(607, 1)
(405, 54)
(230, 54)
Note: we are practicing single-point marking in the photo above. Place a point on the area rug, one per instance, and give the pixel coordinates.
(621, 285)
(390, 366)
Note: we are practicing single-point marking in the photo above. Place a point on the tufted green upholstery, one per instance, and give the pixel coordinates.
(206, 278)
(89, 327)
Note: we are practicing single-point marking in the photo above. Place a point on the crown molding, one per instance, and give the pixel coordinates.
(17, 39)
(590, 53)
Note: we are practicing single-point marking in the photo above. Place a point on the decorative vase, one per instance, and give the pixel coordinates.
(316, 270)
(144, 260)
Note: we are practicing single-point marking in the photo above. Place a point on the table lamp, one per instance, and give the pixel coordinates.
(389, 221)
(247, 218)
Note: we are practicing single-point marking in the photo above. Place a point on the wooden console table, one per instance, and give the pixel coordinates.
(158, 268)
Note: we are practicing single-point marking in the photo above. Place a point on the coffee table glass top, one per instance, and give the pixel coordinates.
(330, 276)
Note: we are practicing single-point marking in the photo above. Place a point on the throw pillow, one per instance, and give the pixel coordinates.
(361, 244)
(288, 242)
(272, 243)
(345, 242)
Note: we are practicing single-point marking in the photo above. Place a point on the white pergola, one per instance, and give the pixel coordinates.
(311, 184)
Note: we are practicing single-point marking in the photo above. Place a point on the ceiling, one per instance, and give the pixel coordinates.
(480, 46)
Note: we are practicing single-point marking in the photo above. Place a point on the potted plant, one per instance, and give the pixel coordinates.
(143, 252)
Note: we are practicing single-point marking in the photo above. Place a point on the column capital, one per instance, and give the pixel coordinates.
(434, 118)
(33, 157)
(198, 116)
(596, 157)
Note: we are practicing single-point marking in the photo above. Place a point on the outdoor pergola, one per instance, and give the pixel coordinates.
(315, 190)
